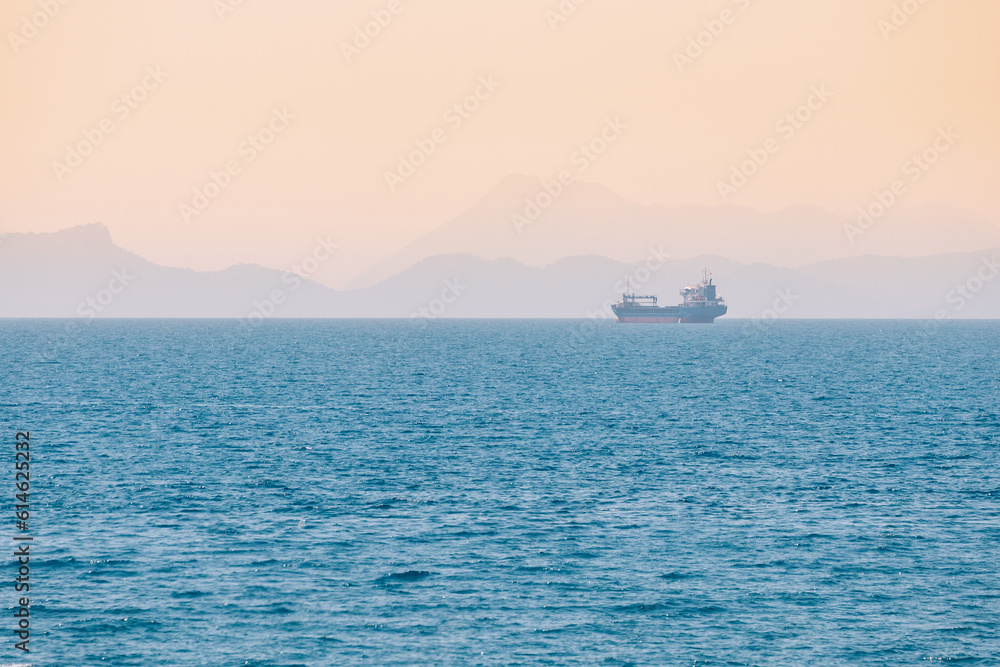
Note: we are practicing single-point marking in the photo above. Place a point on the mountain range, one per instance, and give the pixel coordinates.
(537, 223)
(81, 272)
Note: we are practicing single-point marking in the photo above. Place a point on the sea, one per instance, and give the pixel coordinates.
(504, 492)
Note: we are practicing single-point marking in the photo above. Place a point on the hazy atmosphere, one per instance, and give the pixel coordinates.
(210, 133)
(497, 332)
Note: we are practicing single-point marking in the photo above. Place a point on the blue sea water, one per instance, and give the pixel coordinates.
(507, 492)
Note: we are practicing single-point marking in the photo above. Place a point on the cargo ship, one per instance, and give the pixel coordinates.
(701, 305)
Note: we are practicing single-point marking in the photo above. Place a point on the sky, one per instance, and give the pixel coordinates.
(207, 133)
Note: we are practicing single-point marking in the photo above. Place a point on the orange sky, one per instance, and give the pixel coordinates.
(337, 119)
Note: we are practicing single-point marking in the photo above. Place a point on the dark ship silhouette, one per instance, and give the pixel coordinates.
(701, 305)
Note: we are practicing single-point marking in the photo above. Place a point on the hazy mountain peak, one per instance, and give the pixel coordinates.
(538, 221)
(94, 234)
(808, 211)
(95, 231)
(87, 239)
(513, 187)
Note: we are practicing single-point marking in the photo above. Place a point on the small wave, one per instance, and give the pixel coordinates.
(399, 577)
(386, 503)
(536, 568)
(710, 454)
(641, 607)
(187, 595)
